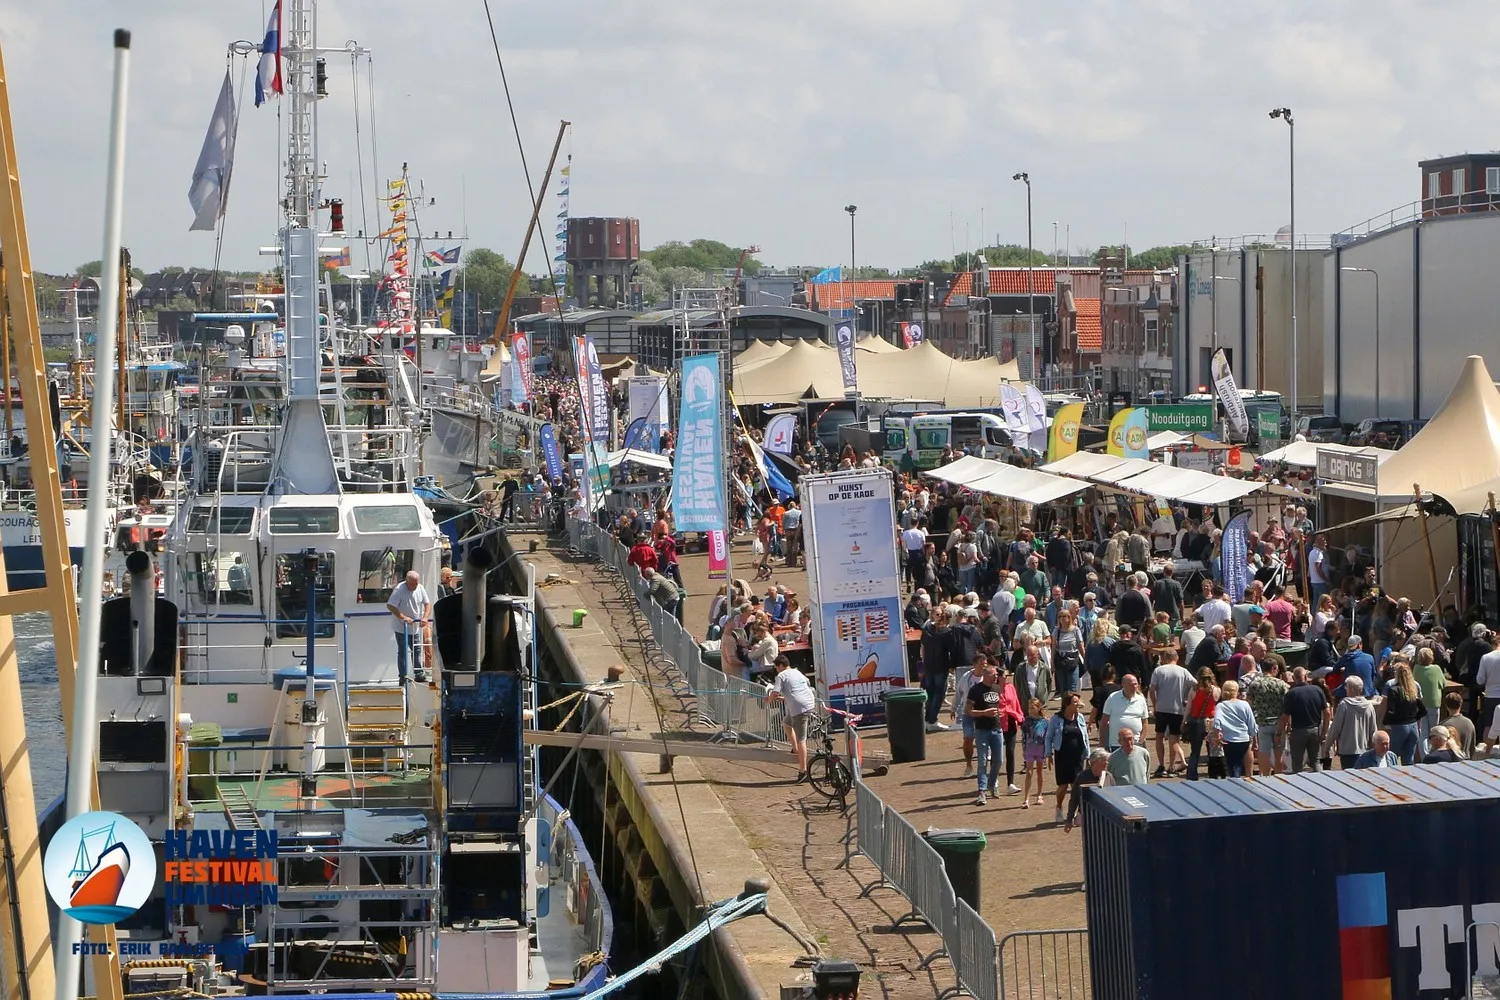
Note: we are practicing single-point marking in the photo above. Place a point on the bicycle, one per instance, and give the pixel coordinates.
(827, 771)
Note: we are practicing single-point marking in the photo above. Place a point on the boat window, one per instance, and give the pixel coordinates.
(221, 578)
(380, 571)
(304, 520)
(222, 520)
(374, 519)
(895, 439)
(291, 596)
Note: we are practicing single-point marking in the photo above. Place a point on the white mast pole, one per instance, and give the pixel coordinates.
(84, 741)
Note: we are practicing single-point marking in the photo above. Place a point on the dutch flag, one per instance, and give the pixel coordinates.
(268, 77)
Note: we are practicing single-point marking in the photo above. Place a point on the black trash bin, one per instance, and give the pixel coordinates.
(960, 851)
(906, 723)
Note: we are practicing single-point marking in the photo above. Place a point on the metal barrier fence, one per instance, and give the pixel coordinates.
(739, 708)
(1045, 964)
(974, 957)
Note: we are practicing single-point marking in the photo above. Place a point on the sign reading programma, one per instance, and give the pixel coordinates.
(1184, 418)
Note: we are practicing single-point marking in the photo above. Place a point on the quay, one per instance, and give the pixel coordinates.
(671, 840)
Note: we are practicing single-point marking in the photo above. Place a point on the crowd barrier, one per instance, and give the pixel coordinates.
(737, 707)
(1026, 965)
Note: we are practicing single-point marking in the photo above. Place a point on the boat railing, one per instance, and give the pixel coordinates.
(386, 447)
(352, 788)
(571, 870)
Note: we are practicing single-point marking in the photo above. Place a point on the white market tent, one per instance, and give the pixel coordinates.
(807, 370)
(1305, 453)
(984, 475)
(1167, 439)
(1136, 475)
(635, 456)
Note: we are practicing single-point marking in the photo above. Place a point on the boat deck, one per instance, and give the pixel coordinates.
(281, 790)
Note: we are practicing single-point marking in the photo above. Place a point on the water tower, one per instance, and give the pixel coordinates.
(603, 254)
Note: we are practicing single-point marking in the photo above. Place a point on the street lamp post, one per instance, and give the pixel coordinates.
(1376, 275)
(1285, 114)
(853, 313)
(1030, 275)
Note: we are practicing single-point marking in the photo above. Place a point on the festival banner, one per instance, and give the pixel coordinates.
(634, 436)
(844, 339)
(718, 556)
(1017, 425)
(911, 334)
(698, 465)
(781, 431)
(1115, 443)
(598, 394)
(1135, 433)
(520, 353)
(1036, 419)
(647, 402)
(1063, 441)
(1229, 394)
(854, 586)
(1234, 565)
(551, 453)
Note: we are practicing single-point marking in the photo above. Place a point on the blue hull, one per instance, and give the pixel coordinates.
(23, 566)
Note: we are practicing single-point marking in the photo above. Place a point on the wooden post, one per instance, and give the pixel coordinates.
(502, 317)
(1426, 540)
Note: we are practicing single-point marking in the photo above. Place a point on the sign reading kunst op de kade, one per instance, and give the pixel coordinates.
(859, 638)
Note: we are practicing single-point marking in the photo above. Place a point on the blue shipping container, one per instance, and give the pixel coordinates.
(1346, 884)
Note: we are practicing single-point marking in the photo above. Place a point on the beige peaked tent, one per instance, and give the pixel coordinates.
(806, 370)
(1457, 457)
(994, 369)
(759, 352)
(803, 370)
(876, 345)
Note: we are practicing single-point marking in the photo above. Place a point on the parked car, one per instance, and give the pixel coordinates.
(1378, 432)
(1324, 428)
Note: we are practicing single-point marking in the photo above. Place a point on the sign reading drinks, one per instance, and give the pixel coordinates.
(1347, 467)
(1183, 417)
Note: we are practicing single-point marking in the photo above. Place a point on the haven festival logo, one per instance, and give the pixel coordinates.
(99, 868)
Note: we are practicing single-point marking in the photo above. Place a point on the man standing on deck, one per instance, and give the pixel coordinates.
(408, 605)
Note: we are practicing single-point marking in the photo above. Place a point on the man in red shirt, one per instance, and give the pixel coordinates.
(642, 555)
(1280, 612)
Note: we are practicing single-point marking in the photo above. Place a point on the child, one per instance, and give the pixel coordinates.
(1033, 750)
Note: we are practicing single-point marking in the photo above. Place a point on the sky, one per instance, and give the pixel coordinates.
(757, 123)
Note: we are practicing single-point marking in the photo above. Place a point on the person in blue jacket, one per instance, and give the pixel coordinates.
(1358, 663)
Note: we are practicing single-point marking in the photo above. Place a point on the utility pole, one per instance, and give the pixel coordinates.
(1030, 275)
(1285, 114)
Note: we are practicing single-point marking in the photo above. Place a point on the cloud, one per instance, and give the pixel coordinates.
(757, 123)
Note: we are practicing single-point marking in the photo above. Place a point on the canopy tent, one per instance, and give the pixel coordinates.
(760, 351)
(805, 371)
(876, 345)
(1137, 475)
(1166, 439)
(635, 456)
(993, 369)
(1305, 453)
(1458, 449)
(985, 475)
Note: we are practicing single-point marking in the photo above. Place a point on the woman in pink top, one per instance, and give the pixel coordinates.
(1010, 719)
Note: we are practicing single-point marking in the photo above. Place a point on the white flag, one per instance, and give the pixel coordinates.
(1036, 413)
(209, 193)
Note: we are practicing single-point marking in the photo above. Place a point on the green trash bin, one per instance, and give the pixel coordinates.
(960, 851)
(906, 723)
(1294, 653)
(203, 782)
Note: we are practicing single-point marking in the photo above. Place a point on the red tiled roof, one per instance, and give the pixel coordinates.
(1090, 330)
(836, 294)
(1013, 280)
(963, 286)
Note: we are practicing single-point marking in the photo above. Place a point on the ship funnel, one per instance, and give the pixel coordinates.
(476, 570)
(142, 610)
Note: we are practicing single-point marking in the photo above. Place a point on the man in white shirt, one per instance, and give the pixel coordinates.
(914, 540)
(1163, 534)
(1488, 678)
(408, 605)
(1215, 610)
(791, 686)
(1317, 571)
(1126, 707)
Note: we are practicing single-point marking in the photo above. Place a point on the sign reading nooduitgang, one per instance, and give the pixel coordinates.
(1184, 417)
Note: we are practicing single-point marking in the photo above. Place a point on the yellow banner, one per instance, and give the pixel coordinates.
(1116, 439)
(1063, 439)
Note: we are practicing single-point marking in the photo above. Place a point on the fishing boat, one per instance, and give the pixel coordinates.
(249, 681)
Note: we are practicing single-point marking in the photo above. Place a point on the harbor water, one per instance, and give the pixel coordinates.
(43, 704)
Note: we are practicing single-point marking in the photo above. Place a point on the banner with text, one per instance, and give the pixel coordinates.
(520, 353)
(598, 395)
(1063, 440)
(648, 402)
(1184, 418)
(551, 453)
(1234, 568)
(844, 338)
(698, 465)
(859, 637)
(1229, 394)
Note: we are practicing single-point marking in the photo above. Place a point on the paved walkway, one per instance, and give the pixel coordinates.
(747, 820)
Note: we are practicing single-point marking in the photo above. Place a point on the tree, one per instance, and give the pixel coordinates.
(48, 298)
(1154, 259)
(92, 269)
(486, 274)
(704, 255)
(649, 277)
(1011, 255)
